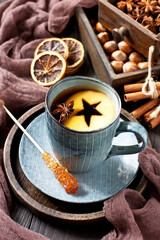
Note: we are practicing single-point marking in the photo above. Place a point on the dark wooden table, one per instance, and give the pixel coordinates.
(51, 228)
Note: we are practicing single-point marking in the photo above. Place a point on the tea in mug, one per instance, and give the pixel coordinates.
(92, 109)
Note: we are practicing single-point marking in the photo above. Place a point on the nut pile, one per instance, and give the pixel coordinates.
(122, 56)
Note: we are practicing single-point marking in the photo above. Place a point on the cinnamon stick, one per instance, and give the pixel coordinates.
(135, 96)
(136, 87)
(147, 116)
(137, 113)
(154, 122)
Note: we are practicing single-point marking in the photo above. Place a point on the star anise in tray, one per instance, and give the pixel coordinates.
(63, 110)
(148, 5)
(157, 21)
(143, 11)
(149, 23)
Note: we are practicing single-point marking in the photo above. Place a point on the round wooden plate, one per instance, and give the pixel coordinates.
(38, 202)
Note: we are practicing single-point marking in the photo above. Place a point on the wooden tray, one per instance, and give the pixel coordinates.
(35, 200)
(101, 64)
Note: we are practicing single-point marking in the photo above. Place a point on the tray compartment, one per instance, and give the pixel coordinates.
(98, 57)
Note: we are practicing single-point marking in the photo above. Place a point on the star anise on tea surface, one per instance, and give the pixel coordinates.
(64, 110)
(88, 111)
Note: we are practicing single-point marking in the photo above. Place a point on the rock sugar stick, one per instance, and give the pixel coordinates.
(69, 182)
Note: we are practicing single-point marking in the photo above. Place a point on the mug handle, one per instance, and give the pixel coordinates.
(130, 127)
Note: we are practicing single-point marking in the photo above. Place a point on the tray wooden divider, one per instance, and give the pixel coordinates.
(38, 202)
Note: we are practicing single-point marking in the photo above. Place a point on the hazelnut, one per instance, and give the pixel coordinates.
(142, 65)
(136, 57)
(119, 56)
(110, 46)
(103, 37)
(117, 66)
(124, 47)
(130, 66)
(100, 27)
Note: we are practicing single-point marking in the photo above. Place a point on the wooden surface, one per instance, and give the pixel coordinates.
(51, 228)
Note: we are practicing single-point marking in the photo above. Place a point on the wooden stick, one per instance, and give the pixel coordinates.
(135, 96)
(136, 87)
(23, 130)
(137, 113)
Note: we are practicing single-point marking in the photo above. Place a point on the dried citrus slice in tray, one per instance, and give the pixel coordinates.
(47, 68)
(52, 44)
(76, 55)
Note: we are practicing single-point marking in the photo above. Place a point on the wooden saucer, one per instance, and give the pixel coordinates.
(41, 204)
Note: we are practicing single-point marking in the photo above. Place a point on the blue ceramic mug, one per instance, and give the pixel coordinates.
(81, 151)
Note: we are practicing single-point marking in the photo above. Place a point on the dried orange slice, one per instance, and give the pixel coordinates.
(76, 55)
(52, 44)
(47, 68)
